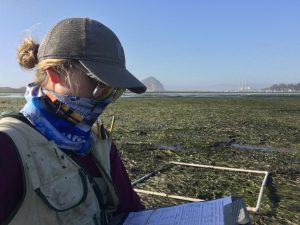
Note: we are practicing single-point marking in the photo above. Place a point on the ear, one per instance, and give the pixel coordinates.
(53, 75)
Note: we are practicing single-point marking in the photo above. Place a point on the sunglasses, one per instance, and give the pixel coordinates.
(102, 92)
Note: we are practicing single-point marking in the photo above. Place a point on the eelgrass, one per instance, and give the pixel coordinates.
(151, 132)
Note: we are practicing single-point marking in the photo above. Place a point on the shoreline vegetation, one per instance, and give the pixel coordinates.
(217, 131)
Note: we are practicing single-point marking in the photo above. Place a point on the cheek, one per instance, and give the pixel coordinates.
(81, 85)
(85, 88)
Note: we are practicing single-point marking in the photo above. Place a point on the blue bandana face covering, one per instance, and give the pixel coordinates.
(54, 119)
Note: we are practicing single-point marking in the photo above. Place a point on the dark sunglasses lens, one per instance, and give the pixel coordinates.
(102, 92)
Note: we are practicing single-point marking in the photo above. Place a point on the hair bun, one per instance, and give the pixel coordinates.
(27, 53)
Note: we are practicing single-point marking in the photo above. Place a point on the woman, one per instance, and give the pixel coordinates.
(57, 167)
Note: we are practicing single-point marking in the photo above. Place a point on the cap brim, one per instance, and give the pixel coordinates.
(114, 75)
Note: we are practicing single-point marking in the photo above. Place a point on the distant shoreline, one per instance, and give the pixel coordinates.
(190, 94)
(12, 90)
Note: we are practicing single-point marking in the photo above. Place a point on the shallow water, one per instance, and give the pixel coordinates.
(208, 94)
(252, 147)
(11, 95)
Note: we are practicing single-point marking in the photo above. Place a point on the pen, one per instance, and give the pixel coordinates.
(112, 126)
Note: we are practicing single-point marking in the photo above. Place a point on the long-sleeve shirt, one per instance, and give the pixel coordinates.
(11, 183)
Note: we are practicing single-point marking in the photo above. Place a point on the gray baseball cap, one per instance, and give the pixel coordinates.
(95, 46)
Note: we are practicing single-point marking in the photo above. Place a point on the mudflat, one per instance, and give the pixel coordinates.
(249, 132)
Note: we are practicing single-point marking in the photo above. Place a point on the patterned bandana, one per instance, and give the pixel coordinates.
(66, 120)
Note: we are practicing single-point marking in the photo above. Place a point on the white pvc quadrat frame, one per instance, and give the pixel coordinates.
(252, 209)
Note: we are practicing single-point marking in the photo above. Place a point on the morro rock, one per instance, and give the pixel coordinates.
(153, 84)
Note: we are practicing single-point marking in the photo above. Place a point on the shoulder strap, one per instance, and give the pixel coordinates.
(18, 116)
(20, 133)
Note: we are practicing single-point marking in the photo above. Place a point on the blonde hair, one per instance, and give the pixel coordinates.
(27, 57)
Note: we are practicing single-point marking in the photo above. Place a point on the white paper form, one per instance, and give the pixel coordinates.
(198, 213)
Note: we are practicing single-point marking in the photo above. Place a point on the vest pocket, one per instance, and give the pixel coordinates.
(66, 192)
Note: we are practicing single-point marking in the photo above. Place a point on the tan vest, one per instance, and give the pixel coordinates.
(58, 191)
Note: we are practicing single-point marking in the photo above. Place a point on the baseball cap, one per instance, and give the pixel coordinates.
(95, 46)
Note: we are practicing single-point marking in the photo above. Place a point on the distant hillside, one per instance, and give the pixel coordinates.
(153, 84)
(12, 90)
(285, 87)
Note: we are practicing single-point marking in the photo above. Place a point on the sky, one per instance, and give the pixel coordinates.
(191, 45)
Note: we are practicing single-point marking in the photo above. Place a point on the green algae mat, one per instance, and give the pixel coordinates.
(249, 132)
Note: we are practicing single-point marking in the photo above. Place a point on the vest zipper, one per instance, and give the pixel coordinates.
(103, 217)
(95, 219)
(109, 185)
(98, 193)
